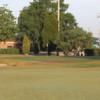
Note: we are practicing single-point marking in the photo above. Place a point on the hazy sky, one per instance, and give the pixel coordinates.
(85, 11)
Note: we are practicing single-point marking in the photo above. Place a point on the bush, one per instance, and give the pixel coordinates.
(92, 52)
(9, 51)
(26, 45)
(97, 52)
(89, 52)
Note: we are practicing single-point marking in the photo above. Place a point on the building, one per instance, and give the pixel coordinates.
(7, 44)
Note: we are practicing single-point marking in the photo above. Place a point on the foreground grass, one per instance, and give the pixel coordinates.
(52, 78)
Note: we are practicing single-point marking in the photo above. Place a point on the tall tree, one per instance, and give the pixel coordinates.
(7, 24)
(37, 21)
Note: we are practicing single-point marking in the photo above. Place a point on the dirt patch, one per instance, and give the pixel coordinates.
(3, 65)
(14, 63)
(36, 64)
(94, 62)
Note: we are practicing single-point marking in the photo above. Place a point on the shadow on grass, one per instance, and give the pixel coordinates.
(91, 57)
(85, 57)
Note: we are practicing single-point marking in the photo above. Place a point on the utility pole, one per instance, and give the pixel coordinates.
(58, 36)
(58, 19)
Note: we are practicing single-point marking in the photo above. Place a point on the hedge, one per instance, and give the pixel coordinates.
(97, 52)
(92, 52)
(9, 51)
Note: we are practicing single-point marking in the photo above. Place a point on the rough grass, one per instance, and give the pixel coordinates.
(49, 78)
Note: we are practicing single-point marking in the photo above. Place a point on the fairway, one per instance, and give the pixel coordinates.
(49, 78)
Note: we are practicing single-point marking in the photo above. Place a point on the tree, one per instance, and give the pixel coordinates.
(30, 22)
(26, 45)
(38, 21)
(50, 31)
(77, 38)
(7, 24)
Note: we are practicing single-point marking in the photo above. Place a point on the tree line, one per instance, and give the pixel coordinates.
(37, 28)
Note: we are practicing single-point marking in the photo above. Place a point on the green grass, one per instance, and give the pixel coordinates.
(74, 79)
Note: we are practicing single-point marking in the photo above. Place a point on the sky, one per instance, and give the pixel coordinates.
(85, 12)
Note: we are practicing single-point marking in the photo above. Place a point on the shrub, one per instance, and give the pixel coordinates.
(92, 52)
(26, 45)
(9, 51)
(97, 52)
(89, 52)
